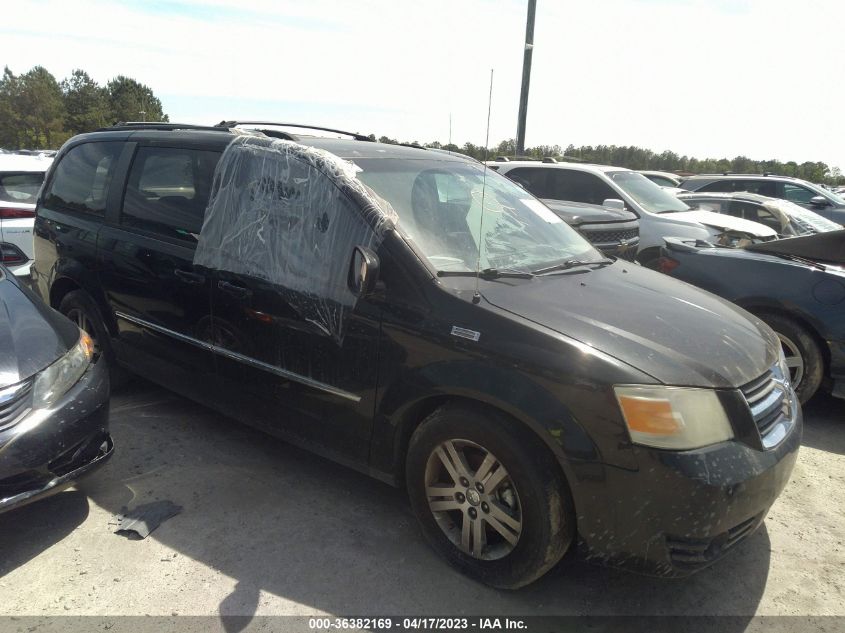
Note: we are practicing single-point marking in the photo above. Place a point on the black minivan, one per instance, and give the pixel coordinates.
(425, 320)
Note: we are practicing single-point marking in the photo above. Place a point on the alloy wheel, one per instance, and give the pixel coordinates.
(794, 360)
(473, 499)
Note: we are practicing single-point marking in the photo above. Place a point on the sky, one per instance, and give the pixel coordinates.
(705, 78)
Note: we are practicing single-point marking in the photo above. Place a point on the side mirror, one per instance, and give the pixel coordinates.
(363, 271)
(819, 201)
(614, 203)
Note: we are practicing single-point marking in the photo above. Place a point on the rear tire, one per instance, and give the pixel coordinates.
(80, 308)
(522, 522)
(802, 354)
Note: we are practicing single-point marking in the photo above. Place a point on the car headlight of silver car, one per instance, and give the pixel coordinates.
(675, 418)
(52, 383)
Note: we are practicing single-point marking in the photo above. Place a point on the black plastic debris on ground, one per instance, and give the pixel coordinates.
(143, 519)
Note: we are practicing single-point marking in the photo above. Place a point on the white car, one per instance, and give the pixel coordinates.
(786, 218)
(661, 214)
(20, 179)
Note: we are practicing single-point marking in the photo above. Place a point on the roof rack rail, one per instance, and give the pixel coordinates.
(502, 159)
(355, 135)
(157, 125)
(549, 159)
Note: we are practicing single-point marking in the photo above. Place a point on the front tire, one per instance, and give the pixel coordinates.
(488, 495)
(80, 308)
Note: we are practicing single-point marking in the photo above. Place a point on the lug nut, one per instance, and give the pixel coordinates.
(459, 497)
(485, 508)
(473, 513)
(464, 482)
(480, 487)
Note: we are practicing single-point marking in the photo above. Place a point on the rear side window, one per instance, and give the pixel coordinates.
(83, 176)
(719, 185)
(579, 186)
(531, 179)
(167, 191)
(21, 187)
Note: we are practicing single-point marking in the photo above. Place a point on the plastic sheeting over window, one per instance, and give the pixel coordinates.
(286, 213)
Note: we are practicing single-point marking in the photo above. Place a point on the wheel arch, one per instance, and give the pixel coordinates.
(760, 310)
(409, 418)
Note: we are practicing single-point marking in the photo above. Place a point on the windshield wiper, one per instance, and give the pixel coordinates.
(488, 273)
(572, 263)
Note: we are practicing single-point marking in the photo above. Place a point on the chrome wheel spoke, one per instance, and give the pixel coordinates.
(466, 534)
(453, 461)
(498, 512)
(444, 505)
(479, 537)
(509, 535)
(487, 465)
(793, 361)
(496, 477)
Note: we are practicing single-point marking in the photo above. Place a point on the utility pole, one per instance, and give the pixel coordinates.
(526, 78)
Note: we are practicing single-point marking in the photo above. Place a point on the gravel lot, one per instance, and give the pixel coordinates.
(270, 529)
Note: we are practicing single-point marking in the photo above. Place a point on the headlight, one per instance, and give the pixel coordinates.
(52, 383)
(677, 418)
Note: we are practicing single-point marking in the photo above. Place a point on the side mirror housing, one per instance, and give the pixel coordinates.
(363, 271)
(614, 203)
(819, 201)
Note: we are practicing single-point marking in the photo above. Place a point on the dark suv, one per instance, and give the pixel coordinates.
(426, 321)
(823, 201)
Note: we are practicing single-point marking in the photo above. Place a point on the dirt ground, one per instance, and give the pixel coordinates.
(270, 529)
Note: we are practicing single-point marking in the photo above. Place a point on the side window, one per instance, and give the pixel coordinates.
(709, 205)
(719, 185)
(762, 187)
(579, 186)
(278, 217)
(82, 178)
(533, 180)
(797, 194)
(168, 190)
(660, 180)
(755, 213)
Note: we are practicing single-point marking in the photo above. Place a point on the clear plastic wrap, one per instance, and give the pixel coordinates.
(286, 213)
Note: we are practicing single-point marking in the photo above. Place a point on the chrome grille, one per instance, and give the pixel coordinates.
(610, 236)
(766, 397)
(14, 403)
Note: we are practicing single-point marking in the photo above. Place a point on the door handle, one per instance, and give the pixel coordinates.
(236, 291)
(189, 277)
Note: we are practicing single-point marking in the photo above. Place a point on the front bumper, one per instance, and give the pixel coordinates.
(683, 510)
(48, 450)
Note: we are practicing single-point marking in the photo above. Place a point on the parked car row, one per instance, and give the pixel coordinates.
(21, 176)
(659, 212)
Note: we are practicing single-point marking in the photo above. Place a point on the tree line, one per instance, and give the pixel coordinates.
(39, 112)
(639, 158)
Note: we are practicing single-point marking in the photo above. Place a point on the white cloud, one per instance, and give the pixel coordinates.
(757, 77)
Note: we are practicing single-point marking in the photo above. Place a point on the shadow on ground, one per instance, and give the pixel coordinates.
(31, 530)
(280, 520)
(824, 424)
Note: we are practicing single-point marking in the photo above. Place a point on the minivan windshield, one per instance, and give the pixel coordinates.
(648, 195)
(439, 204)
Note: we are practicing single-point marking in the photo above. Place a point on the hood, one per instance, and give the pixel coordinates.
(674, 332)
(577, 213)
(822, 247)
(32, 335)
(724, 222)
